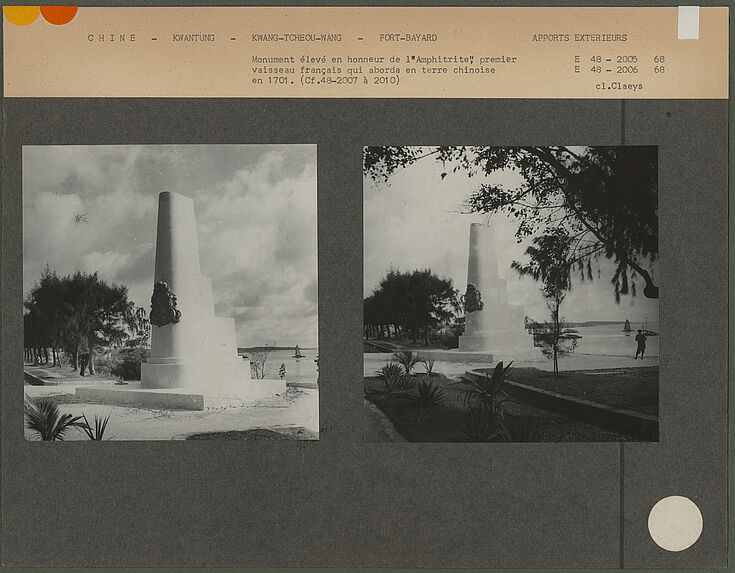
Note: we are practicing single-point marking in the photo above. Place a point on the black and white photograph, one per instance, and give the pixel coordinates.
(170, 292)
(511, 294)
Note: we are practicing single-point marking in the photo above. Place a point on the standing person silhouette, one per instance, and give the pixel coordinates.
(640, 338)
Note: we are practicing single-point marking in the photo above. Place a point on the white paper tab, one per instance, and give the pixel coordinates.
(689, 22)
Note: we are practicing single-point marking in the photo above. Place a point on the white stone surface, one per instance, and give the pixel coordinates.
(199, 352)
(498, 328)
(132, 423)
(456, 356)
(231, 396)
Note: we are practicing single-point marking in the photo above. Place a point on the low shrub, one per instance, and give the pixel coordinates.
(408, 359)
(128, 363)
(393, 378)
(430, 395)
(429, 366)
(449, 338)
(96, 432)
(103, 365)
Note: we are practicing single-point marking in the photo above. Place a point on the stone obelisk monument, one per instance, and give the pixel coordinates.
(193, 362)
(190, 346)
(491, 323)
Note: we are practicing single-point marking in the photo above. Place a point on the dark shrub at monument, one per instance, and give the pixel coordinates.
(449, 337)
(128, 366)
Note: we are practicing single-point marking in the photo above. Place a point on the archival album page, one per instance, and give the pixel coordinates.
(365, 286)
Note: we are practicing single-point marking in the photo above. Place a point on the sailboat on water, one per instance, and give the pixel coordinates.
(297, 352)
(646, 331)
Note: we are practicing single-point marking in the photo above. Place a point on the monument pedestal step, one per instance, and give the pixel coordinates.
(202, 373)
(456, 356)
(134, 395)
(518, 345)
(481, 356)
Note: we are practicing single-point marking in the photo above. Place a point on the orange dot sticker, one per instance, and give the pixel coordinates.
(21, 15)
(58, 15)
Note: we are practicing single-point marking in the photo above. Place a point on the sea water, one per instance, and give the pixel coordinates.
(610, 340)
(297, 369)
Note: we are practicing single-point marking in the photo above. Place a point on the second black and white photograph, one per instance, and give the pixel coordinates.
(511, 294)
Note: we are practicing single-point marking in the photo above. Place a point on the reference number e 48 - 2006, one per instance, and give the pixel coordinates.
(619, 64)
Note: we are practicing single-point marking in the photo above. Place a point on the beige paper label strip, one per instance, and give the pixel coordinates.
(595, 53)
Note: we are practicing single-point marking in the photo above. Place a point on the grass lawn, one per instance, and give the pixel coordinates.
(445, 423)
(629, 388)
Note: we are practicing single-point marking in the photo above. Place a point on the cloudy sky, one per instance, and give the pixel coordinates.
(93, 208)
(416, 222)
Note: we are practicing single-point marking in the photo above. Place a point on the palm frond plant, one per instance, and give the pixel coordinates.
(98, 430)
(390, 370)
(430, 395)
(429, 366)
(480, 424)
(488, 390)
(408, 359)
(396, 375)
(393, 379)
(484, 402)
(44, 417)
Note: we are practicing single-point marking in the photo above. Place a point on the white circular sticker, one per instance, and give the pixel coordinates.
(675, 523)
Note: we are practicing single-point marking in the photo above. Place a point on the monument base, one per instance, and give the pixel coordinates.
(205, 374)
(456, 356)
(191, 398)
(509, 345)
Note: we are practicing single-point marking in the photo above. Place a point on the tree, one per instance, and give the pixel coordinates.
(141, 329)
(49, 323)
(604, 198)
(551, 262)
(76, 310)
(417, 300)
(103, 312)
(258, 359)
(554, 335)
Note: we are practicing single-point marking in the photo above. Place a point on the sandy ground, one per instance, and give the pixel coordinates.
(374, 361)
(298, 408)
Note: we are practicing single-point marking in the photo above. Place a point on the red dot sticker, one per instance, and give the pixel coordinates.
(58, 15)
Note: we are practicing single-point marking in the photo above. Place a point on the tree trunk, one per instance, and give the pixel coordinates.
(90, 346)
(414, 334)
(426, 334)
(75, 356)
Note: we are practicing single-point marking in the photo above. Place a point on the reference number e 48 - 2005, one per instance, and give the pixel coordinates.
(619, 64)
